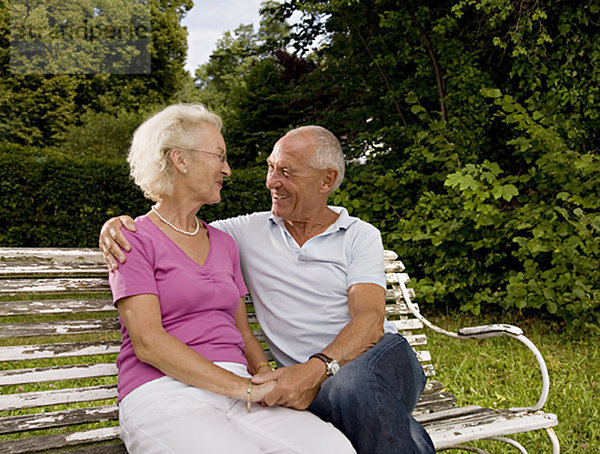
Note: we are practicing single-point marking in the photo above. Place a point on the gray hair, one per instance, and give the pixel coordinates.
(150, 166)
(328, 151)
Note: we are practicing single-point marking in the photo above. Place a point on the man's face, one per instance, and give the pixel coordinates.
(295, 187)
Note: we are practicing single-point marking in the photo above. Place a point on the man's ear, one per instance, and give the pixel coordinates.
(328, 180)
(179, 159)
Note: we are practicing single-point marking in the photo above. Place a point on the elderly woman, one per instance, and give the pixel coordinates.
(184, 381)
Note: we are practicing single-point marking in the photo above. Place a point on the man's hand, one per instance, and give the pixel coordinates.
(112, 240)
(296, 385)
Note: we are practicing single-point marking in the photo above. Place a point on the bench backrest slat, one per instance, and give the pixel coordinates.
(49, 374)
(57, 397)
(46, 442)
(70, 306)
(34, 352)
(58, 419)
(54, 286)
(50, 328)
(53, 262)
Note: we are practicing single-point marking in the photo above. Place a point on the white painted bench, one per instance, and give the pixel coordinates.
(59, 336)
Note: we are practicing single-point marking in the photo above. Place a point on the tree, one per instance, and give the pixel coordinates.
(476, 128)
(251, 81)
(38, 108)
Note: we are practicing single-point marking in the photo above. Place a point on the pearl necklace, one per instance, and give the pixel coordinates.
(177, 229)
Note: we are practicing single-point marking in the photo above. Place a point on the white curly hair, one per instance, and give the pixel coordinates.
(150, 166)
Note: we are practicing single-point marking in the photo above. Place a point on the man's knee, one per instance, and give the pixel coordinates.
(390, 366)
(351, 388)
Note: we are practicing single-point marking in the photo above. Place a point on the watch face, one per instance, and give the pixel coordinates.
(333, 367)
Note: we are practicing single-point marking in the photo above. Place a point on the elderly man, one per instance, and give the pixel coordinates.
(317, 279)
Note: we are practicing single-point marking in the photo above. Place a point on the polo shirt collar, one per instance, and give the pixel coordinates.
(343, 221)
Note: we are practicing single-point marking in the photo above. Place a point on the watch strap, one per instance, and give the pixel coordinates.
(327, 360)
(323, 357)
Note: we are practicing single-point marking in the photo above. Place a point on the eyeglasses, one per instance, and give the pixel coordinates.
(222, 156)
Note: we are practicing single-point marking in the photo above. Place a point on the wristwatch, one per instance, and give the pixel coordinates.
(332, 365)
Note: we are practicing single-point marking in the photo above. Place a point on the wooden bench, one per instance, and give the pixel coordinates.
(59, 337)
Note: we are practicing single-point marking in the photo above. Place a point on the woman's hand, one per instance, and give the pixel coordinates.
(260, 391)
(263, 368)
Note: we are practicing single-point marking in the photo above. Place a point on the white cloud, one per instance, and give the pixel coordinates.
(208, 20)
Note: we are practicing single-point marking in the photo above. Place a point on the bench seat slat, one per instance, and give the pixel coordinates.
(454, 412)
(57, 397)
(485, 425)
(46, 442)
(48, 307)
(434, 402)
(112, 448)
(52, 328)
(28, 352)
(47, 374)
(433, 386)
(23, 423)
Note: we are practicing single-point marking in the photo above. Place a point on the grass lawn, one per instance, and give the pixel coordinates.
(502, 372)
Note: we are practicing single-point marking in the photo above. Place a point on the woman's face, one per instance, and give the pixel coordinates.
(207, 164)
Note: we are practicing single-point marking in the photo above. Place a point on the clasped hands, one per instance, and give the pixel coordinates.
(295, 386)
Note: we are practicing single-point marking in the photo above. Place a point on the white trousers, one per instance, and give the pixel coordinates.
(167, 416)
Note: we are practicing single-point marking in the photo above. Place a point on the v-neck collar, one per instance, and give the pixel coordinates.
(181, 251)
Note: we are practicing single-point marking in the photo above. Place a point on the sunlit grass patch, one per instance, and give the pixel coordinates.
(502, 373)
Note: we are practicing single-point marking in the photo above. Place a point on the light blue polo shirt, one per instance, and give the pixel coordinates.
(300, 294)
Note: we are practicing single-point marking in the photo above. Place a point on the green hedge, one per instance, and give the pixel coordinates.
(50, 200)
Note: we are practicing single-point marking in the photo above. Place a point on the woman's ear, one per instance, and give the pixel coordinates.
(179, 159)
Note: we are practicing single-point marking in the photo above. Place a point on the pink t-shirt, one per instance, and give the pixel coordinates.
(197, 303)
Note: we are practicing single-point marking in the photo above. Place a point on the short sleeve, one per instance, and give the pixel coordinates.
(367, 260)
(236, 227)
(136, 275)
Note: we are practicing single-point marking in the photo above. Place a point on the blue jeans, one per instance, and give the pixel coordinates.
(371, 399)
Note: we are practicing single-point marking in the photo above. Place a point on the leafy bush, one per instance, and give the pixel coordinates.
(523, 232)
(49, 199)
(102, 135)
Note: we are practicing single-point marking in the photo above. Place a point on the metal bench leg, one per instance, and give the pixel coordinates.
(511, 442)
(554, 440)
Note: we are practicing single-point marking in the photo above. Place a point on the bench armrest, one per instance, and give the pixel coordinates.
(482, 332)
(485, 331)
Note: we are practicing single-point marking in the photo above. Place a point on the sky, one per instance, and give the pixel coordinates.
(206, 22)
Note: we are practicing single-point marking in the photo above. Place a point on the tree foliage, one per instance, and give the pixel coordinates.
(37, 109)
(471, 127)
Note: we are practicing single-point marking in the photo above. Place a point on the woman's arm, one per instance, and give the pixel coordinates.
(154, 346)
(254, 351)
